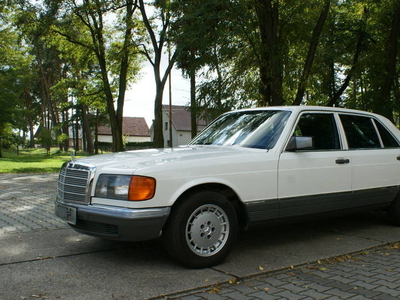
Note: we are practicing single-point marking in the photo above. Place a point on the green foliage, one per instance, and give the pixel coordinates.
(6, 135)
(104, 146)
(64, 62)
(62, 138)
(210, 45)
(46, 139)
(106, 60)
(223, 42)
(139, 145)
(15, 74)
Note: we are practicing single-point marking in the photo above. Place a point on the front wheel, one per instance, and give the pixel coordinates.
(201, 230)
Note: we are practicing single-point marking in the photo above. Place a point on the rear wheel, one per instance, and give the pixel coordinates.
(394, 211)
(201, 230)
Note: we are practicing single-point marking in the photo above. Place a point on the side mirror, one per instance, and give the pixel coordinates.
(300, 143)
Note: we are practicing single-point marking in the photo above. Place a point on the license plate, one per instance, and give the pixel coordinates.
(66, 213)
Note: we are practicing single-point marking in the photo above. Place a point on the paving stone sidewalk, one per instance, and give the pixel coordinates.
(369, 275)
(27, 202)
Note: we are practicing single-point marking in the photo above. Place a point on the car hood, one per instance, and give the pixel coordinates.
(130, 162)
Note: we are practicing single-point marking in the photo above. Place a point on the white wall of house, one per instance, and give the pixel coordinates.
(130, 139)
(179, 137)
(138, 139)
(72, 137)
(184, 137)
(105, 138)
(166, 134)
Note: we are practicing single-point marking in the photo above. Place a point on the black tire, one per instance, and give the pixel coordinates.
(394, 211)
(201, 230)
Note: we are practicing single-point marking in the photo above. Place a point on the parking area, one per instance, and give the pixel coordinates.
(26, 203)
(354, 257)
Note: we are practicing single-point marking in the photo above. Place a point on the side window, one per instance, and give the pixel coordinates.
(360, 132)
(321, 127)
(388, 140)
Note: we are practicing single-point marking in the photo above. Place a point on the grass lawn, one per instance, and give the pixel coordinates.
(33, 161)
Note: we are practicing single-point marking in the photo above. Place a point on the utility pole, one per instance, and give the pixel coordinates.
(170, 98)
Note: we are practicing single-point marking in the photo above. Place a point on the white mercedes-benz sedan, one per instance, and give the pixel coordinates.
(247, 168)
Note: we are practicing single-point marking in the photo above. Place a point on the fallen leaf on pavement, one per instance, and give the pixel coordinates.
(232, 281)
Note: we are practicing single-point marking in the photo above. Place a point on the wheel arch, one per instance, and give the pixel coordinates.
(222, 189)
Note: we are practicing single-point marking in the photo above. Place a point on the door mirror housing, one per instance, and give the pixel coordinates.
(300, 143)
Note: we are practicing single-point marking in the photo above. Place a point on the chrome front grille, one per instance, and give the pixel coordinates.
(74, 182)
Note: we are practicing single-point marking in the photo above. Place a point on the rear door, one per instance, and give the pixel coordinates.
(374, 154)
(319, 179)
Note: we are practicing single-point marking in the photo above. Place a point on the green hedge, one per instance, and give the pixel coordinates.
(104, 146)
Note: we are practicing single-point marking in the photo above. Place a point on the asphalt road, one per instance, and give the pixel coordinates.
(41, 258)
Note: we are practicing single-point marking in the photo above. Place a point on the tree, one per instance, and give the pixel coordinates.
(212, 53)
(311, 52)
(236, 53)
(361, 41)
(15, 74)
(33, 24)
(196, 33)
(154, 51)
(374, 84)
(270, 56)
(390, 63)
(116, 58)
(79, 90)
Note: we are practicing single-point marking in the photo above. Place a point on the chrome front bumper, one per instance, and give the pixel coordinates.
(115, 223)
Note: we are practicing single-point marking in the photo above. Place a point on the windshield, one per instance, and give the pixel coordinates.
(254, 129)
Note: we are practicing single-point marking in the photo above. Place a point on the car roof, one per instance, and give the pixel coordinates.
(311, 108)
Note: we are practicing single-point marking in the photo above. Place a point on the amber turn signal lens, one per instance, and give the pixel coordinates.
(141, 188)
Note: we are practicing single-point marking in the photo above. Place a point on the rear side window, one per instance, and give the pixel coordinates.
(322, 128)
(387, 139)
(360, 132)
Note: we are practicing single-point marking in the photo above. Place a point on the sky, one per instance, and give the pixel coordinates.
(139, 99)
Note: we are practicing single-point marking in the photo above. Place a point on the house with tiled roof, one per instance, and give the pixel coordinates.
(134, 129)
(181, 125)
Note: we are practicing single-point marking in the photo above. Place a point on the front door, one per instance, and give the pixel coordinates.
(318, 179)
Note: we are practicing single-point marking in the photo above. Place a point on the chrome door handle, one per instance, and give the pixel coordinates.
(342, 161)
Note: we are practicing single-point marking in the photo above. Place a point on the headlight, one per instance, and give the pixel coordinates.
(125, 187)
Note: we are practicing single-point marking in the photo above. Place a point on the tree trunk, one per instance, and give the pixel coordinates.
(86, 130)
(311, 53)
(193, 104)
(31, 134)
(123, 75)
(158, 138)
(115, 123)
(96, 133)
(65, 129)
(76, 129)
(270, 57)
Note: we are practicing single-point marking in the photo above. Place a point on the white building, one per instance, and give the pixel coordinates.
(181, 125)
